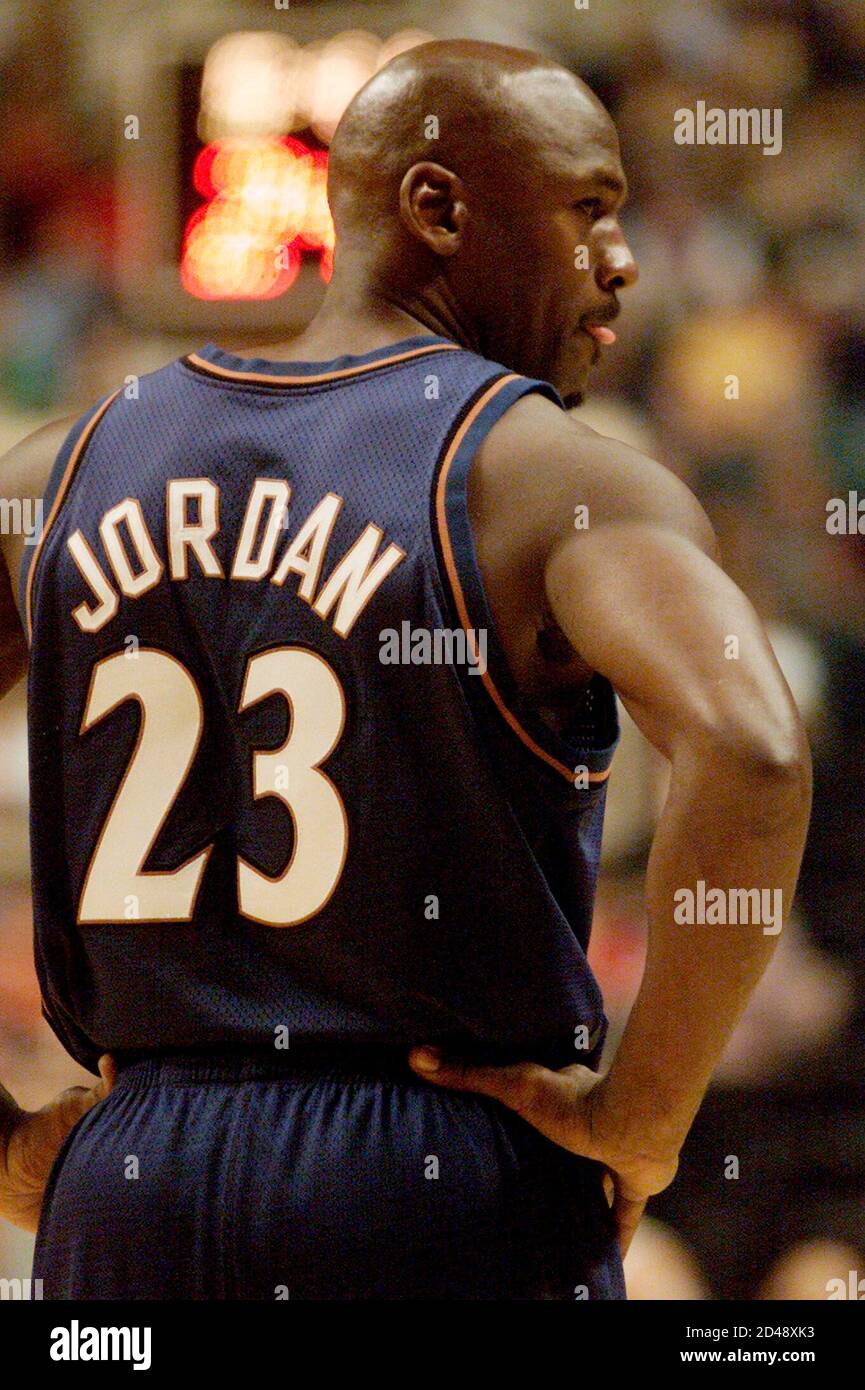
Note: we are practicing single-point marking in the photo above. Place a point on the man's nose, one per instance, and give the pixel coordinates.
(617, 268)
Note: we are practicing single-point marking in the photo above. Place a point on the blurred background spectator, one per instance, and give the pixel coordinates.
(739, 364)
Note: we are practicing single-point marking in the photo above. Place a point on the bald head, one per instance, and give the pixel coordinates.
(474, 107)
(462, 179)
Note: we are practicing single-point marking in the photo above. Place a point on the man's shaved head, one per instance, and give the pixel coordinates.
(487, 102)
(462, 178)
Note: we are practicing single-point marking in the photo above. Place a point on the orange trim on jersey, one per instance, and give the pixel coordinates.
(63, 488)
(453, 576)
(269, 380)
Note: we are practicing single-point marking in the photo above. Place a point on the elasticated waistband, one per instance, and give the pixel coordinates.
(299, 1061)
(306, 1058)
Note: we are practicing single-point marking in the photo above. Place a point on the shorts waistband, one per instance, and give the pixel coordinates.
(306, 1057)
(250, 1064)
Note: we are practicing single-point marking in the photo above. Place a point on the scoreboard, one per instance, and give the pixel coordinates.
(223, 117)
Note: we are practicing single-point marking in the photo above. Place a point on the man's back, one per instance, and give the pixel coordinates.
(270, 713)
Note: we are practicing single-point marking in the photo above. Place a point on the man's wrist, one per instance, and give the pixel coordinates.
(632, 1127)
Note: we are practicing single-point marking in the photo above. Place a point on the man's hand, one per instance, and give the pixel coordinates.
(566, 1106)
(31, 1140)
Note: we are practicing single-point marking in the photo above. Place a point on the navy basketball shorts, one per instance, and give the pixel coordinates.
(272, 1178)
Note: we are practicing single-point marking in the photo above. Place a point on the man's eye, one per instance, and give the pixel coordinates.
(591, 207)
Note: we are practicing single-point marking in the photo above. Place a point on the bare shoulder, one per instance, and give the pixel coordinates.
(538, 465)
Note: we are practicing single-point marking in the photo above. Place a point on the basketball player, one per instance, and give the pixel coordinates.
(278, 846)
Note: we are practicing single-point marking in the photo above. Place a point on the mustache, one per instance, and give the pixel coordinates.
(605, 313)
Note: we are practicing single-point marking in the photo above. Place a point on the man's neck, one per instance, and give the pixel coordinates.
(358, 321)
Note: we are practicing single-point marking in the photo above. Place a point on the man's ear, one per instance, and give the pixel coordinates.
(432, 206)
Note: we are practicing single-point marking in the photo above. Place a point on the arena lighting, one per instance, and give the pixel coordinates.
(215, 238)
(263, 83)
(341, 68)
(401, 42)
(251, 85)
(266, 203)
(266, 192)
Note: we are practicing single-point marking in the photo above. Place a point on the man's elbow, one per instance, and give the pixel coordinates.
(769, 760)
(776, 749)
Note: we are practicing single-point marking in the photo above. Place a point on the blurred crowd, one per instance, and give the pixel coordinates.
(739, 364)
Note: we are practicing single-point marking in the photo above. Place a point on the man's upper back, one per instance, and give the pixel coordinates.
(281, 775)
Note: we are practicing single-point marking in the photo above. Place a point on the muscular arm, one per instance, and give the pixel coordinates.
(641, 599)
(647, 607)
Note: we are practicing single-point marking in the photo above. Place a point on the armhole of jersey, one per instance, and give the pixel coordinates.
(461, 576)
(59, 481)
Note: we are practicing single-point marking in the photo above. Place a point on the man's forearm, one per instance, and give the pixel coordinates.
(730, 828)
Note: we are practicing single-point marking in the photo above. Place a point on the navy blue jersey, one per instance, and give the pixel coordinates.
(282, 783)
